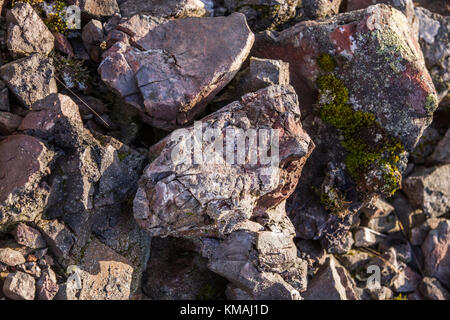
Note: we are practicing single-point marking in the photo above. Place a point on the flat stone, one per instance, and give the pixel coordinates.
(11, 257)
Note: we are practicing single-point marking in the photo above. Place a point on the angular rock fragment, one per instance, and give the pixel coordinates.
(46, 286)
(97, 8)
(9, 122)
(27, 34)
(418, 234)
(93, 36)
(171, 79)
(433, 290)
(164, 8)
(366, 237)
(377, 208)
(30, 79)
(429, 189)
(29, 237)
(19, 286)
(58, 236)
(314, 9)
(441, 154)
(11, 257)
(406, 281)
(437, 253)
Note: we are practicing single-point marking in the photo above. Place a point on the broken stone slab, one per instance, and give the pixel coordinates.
(24, 161)
(432, 289)
(11, 257)
(385, 225)
(19, 286)
(29, 237)
(429, 189)
(436, 251)
(46, 286)
(264, 14)
(30, 79)
(9, 122)
(170, 80)
(175, 195)
(331, 282)
(441, 154)
(164, 8)
(27, 34)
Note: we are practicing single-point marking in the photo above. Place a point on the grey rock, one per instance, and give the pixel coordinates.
(11, 257)
(432, 289)
(97, 8)
(365, 237)
(93, 36)
(58, 236)
(29, 237)
(418, 234)
(47, 286)
(383, 293)
(314, 9)
(406, 281)
(441, 154)
(19, 286)
(164, 8)
(377, 208)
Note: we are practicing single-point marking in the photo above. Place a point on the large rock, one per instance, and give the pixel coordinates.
(19, 286)
(263, 14)
(170, 79)
(27, 34)
(24, 161)
(429, 189)
(436, 250)
(359, 62)
(30, 79)
(164, 8)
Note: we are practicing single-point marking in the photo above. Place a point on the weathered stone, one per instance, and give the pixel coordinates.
(383, 293)
(331, 282)
(429, 189)
(437, 253)
(9, 122)
(105, 275)
(387, 224)
(388, 264)
(434, 31)
(441, 154)
(167, 78)
(58, 236)
(425, 146)
(93, 36)
(164, 8)
(418, 234)
(432, 289)
(27, 34)
(354, 260)
(4, 97)
(46, 286)
(314, 9)
(63, 45)
(11, 257)
(19, 286)
(97, 8)
(365, 237)
(29, 237)
(408, 216)
(30, 79)
(24, 162)
(406, 281)
(264, 14)
(377, 208)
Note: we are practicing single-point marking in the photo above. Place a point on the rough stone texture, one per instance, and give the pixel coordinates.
(105, 275)
(97, 8)
(19, 286)
(377, 208)
(434, 35)
(437, 253)
(264, 14)
(172, 78)
(331, 282)
(46, 286)
(406, 281)
(29, 237)
(30, 79)
(4, 97)
(63, 45)
(425, 146)
(93, 36)
(27, 34)
(314, 9)
(374, 52)
(24, 161)
(163, 8)
(366, 237)
(11, 257)
(433, 290)
(429, 189)
(58, 236)
(418, 234)
(441, 154)
(9, 122)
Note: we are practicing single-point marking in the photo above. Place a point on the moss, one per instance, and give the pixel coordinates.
(326, 62)
(369, 146)
(431, 104)
(122, 155)
(334, 201)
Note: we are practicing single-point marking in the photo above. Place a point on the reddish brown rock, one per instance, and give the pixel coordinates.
(62, 44)
(46, 286)
(29, 237)
(97, 8)
(170, 79)
(9, 122)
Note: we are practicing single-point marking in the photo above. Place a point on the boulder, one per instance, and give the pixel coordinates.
(170, 79)
(164, 8)
(314, 9)
(27, 34)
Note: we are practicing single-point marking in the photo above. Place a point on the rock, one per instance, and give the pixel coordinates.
(383, 293)
(406, 281)
(58, 236)
(176, 271)
(429, 189)
(32, 268)
(235, 293)
(97, 8)
(418, 234)
(27, 34)
(19, 286)
(29, 237)
(433, 290)
(331, 282)
(409, 217)
(377, 208)
(105, 275)
(63, 45)
(46, 286)
(11, 257)
(434, 31)
(436, 252)
(366, 237)
(164, 8)
(405, 6)
(24, 162)
(388, 264)
(353, 260)
(425, 146)
(30, 79)
(168, 79)
(4, 97)
(215, 183)
(9, 122)
(93, 36)
(388, 224)
(441, 154)
(264, 14)
(314, 9)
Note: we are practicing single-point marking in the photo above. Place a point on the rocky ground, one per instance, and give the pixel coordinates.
(94, 206)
